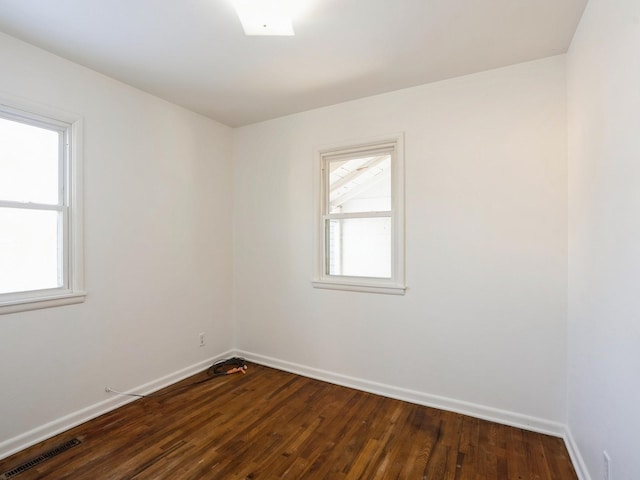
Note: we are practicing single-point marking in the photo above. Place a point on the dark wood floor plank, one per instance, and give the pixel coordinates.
(558, 458)
(270, 424)
(468, 449)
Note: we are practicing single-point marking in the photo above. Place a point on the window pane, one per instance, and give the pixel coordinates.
(29, 165)
(29, 250)
(360, 184)
(359, 247)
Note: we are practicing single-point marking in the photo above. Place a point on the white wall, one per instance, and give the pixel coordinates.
(604, 237)
(484, 320)
(158, 183)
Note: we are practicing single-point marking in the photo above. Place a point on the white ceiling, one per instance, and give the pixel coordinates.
(194, 52)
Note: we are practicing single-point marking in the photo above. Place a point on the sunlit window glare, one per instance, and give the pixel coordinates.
(28, 163)
(30, 217)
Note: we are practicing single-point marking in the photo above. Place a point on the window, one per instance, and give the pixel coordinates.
(40, 230)
(361, 217)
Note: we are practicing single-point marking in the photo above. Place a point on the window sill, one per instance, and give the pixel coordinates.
(35, 303)
(360, 287)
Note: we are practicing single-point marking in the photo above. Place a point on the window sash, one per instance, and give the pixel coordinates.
(63, 130)
(340, 216)
(357, 152)
(328, 258)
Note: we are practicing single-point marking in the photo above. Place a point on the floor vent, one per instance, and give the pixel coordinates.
(38, 460)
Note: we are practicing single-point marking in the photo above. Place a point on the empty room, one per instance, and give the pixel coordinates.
(320, 239)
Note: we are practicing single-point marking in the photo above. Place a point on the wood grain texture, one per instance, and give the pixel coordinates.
(270, 424)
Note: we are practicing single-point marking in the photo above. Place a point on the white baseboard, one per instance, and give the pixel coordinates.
(505, 417)
(48, 430)
(576, 457)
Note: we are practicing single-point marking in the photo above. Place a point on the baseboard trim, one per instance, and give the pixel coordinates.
(576, 457)
(443, 403)
(48, 430)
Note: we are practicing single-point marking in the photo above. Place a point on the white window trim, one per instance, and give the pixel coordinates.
(74, 265)
(396, 284)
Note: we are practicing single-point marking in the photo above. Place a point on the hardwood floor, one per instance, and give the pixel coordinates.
(270, 424)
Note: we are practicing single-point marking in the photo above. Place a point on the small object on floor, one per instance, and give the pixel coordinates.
(242, 369)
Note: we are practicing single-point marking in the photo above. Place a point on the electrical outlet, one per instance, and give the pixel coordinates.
(607, 466)
(202, 339)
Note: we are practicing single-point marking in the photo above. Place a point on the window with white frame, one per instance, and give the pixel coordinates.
(40, 209)
(361, 230)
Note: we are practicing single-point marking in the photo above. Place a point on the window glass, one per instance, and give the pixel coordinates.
(29, 250)
(360, 184)
(29, 163)
(359, 247)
